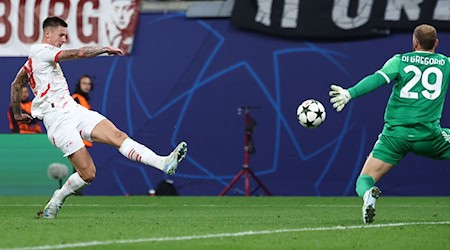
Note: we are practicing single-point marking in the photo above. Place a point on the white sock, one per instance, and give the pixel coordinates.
(140, 153)
(72, 184)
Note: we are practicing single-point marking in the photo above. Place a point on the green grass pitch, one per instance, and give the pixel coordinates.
(225, 223)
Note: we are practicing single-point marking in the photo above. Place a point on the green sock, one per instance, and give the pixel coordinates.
(364, 183)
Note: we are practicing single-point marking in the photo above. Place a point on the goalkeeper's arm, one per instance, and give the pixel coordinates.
(367, 85)
(340, 96)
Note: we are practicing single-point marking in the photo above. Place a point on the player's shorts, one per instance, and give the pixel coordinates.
(67, 128)
(393, 149)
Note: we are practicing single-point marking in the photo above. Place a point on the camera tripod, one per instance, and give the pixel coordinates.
(248, 148)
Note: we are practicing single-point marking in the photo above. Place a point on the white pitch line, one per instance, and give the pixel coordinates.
(183, 205)
(222, 235)
(217, 205)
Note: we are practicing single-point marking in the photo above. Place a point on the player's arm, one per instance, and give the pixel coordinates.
(341, 96)
(86, 52)
(367, 85)
(16, 95)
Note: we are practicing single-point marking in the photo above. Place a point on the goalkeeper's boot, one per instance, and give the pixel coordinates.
(172, 160)
(52, 207)
(368, 209)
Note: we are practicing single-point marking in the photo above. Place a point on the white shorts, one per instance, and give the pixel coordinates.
(67, 128)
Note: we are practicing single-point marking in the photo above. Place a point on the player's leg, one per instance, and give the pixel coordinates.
(371, 172)
(65, 136)
(386, 153)
(437, 148)
(106, 132)
(85, 174)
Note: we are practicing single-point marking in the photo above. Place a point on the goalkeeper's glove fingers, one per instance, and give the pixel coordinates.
(340, 97)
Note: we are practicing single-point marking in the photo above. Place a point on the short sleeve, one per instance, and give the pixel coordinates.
(49, 53)
(391, 68)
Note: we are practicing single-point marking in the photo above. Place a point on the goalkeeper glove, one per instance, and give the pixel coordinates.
(340, 97)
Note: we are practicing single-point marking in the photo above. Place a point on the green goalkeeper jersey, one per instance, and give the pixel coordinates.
(415, 106)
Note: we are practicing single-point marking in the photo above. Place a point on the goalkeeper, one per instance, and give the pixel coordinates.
(413, 112)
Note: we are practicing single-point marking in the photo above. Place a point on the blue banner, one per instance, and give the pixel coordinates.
(186, 80)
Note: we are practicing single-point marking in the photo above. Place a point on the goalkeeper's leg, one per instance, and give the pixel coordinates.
(372, 171)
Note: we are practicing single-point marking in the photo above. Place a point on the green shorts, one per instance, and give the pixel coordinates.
(393, 149)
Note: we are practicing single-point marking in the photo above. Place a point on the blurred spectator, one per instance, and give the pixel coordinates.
(81, 95)
(34, 127)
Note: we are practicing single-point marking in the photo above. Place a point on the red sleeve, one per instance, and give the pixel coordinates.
(56, 56)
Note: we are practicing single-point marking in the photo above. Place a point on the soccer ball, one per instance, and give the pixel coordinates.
(311, 113)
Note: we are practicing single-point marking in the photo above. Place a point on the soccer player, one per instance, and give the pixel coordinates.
(68, 122)
(413, 112)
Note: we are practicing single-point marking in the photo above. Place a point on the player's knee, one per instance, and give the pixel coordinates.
(87, 176)
(120, 135)
(90, 178)
(87, 173)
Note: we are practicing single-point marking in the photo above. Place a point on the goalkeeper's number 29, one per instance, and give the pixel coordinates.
(431, 91)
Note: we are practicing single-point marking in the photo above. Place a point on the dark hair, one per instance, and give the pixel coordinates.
(78, 88)
(426, 35)
(53, 21)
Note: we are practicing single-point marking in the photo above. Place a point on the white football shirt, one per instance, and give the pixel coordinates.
(47, 80)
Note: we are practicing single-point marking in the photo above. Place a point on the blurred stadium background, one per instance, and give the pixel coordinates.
(193, 63)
